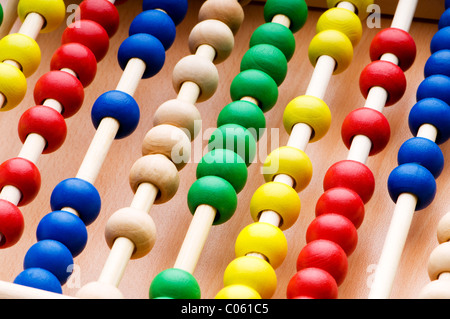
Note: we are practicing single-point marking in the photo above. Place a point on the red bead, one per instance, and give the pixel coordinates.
(11, 224)
(312, 283)
(353, 175)
(78, 58)
(90, 34)
(22, 174)
(45, 121)
(342, 201)
(397, 42)
(60, 86)
(386, 75)
(370, 123)
(336, 228)
(101, 11)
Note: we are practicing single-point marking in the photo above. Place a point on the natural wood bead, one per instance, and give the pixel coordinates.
(214, 33)
(439, 261)
(181, 114)
(443, 229)
(158, 170)
(199, 70)
(437, 289)
(99, 290)
(168, 140)
(135, 225)
(229, 12)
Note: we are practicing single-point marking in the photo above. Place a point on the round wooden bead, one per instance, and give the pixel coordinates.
(277, 197)
(443, 229)
(439, 261)
(23, 50)
(135, 225)
(199, 70)
(11, 224)
(277, 35)
(40, 279)
(176, 284)
(440, 40)
(168, 140)
(438, 63)
(360, 6)
(309, 110)
(262, 238)
(313, 283)
(229, 12)
(342, 20)
(176, 9)
(13, 85)
(214, 33)
(434, 86)
(103, 12)
(158, 170)
(99, 290)
(438, 289)
(237, 292)
(332, 43)
(444, 20)
(1, 14)
(296, 11)
(253, 272)
(53, 11)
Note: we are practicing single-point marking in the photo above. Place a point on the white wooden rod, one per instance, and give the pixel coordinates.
(404, 14)
(346, 5)
(131, 76)
(117, 261)
(15, 291)
(321, 76)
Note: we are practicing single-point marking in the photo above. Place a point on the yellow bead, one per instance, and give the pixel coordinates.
(290, 161)
(53, 11)
(253, 272)
(277, 197)
(23, 50)
(341, 20)
(309, 110)
(237, 292)
(13, 86)
(265, 239)
(332, 43)
(360, 5)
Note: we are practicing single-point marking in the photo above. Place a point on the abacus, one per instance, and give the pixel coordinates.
(224, 149)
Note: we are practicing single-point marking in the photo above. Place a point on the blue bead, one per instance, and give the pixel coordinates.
(145, 47)
(156, 23)
(441, 40)
(176, 9)
(50, 255)
(79, 195)
(120, 106)
(436, 86)
(64, 227)
(414, 179)
(424, 152)
(40, 279)
(444, 21)
(447, 4)
(438, 63)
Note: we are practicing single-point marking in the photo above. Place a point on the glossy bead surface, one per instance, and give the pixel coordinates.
(176, 9)
(13, 85)
(342, 20)
(277, 35)
(23, 50)
(440, 40)
(438, 63)
(312, 283)
(53, 12)
(11, 224)
(237, 292)
(174, 283)
(101, 11)
(40, 279)
(296, 11)
(434, 86)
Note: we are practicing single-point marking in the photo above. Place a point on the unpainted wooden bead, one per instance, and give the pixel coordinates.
(229, 12)
(443, 229)
(439, 261)
(437, 289)
(99, 290)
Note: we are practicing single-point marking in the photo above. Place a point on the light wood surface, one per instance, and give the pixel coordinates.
(172, 219)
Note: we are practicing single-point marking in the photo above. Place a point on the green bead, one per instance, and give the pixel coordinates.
(226, 164)
(1, 14)
(295, 10)
(235, 138)
(266, 58)
(216, 192)
(277, 35)
(256, 84)
(174, 283)
(246, 114)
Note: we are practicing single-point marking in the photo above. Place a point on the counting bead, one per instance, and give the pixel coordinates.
(174, 283)
(199, 70)
(312, 283)
(157, 170)
(289, 161)
(447, 4)
(435, 86)
(332, 43)
(256, 84)
(277, 197)
(438, 289)
(170, 141)
(253, 272)
(40, 279)
(277, 35)
(237, 292)
(413, 179)
(438, 63)
(155, 23)
(397, 42)
(11, 224)
(229, 12)
(439, 261)
(53, 11)
(360, 6)
(135, 225)
(440, 40)
(444, 20)
(120, 106)
(45, 121)
(353, 175)
(367, 122)
(13, 85)
(90, 34)
(214, 33)
(386, 75)
(1, 14)
(342, 20)
(431, 111)
(309, 110)
(78, 58)
(62, 87)
(443, 229)
(22, 174)
(64, 227)
(103, 12)
(79, 195)
(23, 50)
(296, 11)
(176, 9)
(262, 238)
(99, 290)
